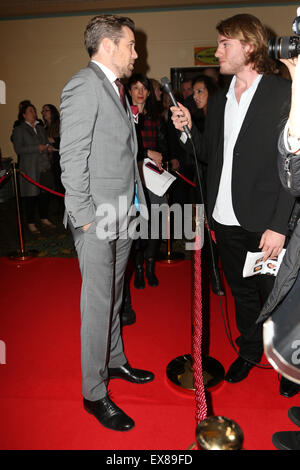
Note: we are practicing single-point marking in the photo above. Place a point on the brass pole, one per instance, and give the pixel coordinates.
(171, 257)
(21, 255)
(20, 231)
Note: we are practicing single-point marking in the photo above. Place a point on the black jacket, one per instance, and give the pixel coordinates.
(259, 200)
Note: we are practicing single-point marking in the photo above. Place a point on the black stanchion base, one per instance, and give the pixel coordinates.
(180, 372)
(23, 256)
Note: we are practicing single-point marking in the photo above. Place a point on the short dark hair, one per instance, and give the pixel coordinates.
(249, 30)
(208, 82)
(151, 103)
(24, 109)
(105, 26)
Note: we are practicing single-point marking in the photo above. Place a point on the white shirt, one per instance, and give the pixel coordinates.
(234, 116)
(109, 75)
(33, 126)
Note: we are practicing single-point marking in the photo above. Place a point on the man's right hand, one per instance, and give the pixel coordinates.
(181, 117)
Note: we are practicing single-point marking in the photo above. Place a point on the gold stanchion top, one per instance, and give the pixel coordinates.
(219, 433)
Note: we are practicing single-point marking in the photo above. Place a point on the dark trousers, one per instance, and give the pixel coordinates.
(145, 249)
(249, 293)
(40, 202)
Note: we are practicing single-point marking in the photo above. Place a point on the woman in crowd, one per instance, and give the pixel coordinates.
(152, 145)
(31, 144)
(203, 88)
(51, 119)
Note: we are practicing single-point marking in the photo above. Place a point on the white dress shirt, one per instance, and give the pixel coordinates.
(234, 116)
(33, 126)
(109, 75)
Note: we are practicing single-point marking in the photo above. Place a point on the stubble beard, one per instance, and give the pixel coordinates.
(233, 68)
(129, 71)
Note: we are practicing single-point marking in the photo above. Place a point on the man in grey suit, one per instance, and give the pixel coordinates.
(99, 172)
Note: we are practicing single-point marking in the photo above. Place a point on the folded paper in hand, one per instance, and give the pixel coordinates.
(254, 264)
(158, 182)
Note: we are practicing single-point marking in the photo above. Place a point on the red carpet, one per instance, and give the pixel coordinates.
(40, 391)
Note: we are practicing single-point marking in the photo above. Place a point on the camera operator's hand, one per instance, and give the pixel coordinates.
(291, 65)
(294, 117)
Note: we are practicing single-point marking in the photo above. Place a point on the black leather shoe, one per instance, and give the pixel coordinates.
(287, 388)
(139, 281)
(286, 440)
(238, 370)
(294, 415)
(109, 414)
(137, 376)
(150, 275)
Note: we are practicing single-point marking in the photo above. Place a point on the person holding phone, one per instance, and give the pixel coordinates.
(153, 145)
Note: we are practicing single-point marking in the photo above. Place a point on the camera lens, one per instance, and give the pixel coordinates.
(284, 47)
(289, 47)
(274, 48)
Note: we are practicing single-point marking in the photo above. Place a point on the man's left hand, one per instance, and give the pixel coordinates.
(272, 243)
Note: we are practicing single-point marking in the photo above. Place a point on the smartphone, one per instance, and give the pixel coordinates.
(154, 168)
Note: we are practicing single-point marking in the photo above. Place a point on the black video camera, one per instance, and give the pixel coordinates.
(286, 47)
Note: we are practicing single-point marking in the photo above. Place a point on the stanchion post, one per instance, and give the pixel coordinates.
(21, 255)
(16, 191)
(171, 257)
(180, 371)
(218, 433)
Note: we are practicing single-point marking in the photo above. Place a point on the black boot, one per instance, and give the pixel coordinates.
(151, 278)
(127, 315)
(139, 281)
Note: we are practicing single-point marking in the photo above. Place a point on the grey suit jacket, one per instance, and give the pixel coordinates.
(98, 152)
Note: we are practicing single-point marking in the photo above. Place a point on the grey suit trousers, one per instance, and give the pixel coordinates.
(102, 265)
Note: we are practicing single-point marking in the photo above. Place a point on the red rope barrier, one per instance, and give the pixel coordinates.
(201, 407)
(40, 186)
(185, 179)
(4, 176)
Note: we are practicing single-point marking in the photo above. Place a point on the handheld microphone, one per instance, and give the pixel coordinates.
(168, 89)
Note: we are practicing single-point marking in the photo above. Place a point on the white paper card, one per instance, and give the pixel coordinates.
(254, 264)
(156, 182)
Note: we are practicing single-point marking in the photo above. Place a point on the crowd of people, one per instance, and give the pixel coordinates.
(36, 143)
(235, 130)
